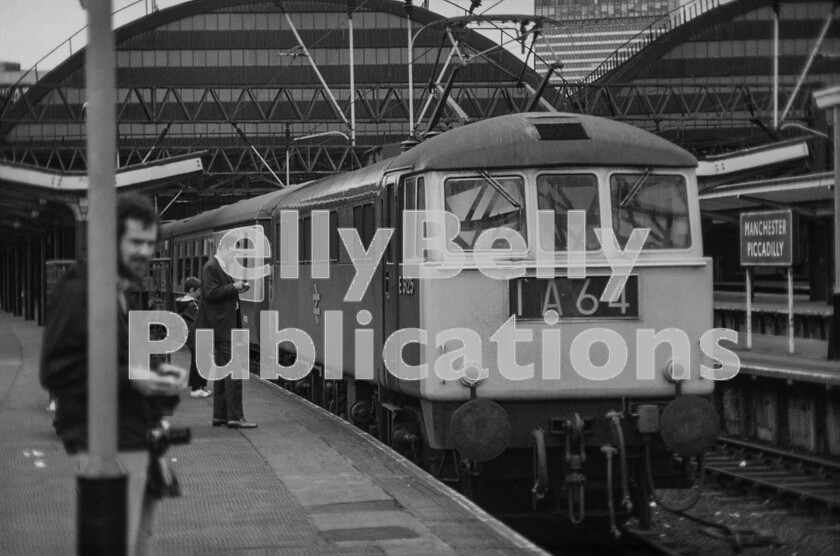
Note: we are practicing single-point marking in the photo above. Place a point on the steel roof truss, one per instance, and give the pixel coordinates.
(281, 93)
(145, 104)
(253, 101)
(363, 102)
(181, 104)
(393, 99)
(293, 103)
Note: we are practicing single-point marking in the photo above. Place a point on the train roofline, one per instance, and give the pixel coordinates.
(545, 139)
(526, 140)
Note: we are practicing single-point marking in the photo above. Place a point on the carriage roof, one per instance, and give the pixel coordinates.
(242, 212)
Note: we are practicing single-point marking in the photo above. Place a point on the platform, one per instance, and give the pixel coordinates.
(769, 357)
(811, 319)
(304, 482)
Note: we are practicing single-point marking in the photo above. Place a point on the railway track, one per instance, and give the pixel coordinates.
(803, 478)
(641, 542)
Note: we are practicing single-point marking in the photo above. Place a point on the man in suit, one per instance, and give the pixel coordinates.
(219, 310)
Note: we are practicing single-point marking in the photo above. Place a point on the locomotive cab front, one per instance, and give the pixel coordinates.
(564, 305)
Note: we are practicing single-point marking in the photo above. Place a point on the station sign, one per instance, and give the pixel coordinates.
(767, 238)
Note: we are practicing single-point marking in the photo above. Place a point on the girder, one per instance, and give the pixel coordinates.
(673, 110)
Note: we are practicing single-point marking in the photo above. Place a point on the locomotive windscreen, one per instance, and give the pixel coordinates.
(656, 202)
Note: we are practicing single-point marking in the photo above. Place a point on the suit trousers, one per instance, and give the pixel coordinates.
(227, 393)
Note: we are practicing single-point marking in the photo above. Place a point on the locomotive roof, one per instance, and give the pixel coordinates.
(516, 140)
(544, 139)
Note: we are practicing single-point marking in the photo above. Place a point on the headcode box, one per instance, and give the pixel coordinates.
(767, 238)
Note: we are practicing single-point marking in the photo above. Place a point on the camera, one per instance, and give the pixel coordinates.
(162, 482)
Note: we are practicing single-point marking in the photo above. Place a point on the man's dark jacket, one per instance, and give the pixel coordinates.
(64, 368)
(218, 307)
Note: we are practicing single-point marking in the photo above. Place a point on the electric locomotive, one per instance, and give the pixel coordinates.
(484, 346)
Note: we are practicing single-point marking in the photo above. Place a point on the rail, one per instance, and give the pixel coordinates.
(802, 477)
(647, 541)
(662, 25)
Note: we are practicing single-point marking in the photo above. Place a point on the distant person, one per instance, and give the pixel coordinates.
(64, 363)
(187, 307)
(219, 310)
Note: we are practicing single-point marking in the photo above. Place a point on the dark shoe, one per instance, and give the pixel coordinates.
(241, 424)
(219, 422)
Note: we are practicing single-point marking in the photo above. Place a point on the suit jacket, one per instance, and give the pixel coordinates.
(218, 308)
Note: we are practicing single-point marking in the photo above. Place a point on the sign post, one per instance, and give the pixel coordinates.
(767, 239)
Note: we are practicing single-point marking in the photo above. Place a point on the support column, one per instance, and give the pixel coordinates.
(42, 278)
(79, 209)
(102, 485)
(17, 270)
(4, 279)
(28, 280)
(829, 99)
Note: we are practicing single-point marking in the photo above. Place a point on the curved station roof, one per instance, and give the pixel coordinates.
(244, 82)
(226, 88)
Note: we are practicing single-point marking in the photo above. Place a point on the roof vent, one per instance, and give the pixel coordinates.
(568, 131)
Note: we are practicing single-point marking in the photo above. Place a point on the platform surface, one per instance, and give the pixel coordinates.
(304, 482)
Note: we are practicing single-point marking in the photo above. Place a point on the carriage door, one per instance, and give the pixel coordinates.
(401, 308)
(391, 212)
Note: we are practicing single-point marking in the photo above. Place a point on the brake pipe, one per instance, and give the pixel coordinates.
(626, 501)
(608, 453)
(649, 475)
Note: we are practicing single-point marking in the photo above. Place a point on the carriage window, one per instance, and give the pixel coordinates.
(410, 194)
(659, 203)
(364, 223)
(485, 203)
(305, 239)
(245, 243)
(414, 192)
(277, 243)
(335, 239)
(561, 193)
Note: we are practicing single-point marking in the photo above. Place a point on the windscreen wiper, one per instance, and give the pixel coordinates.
(635, 189)
(500, 188)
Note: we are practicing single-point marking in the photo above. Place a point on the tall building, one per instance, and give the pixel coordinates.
(11, 76)
(592, 30)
